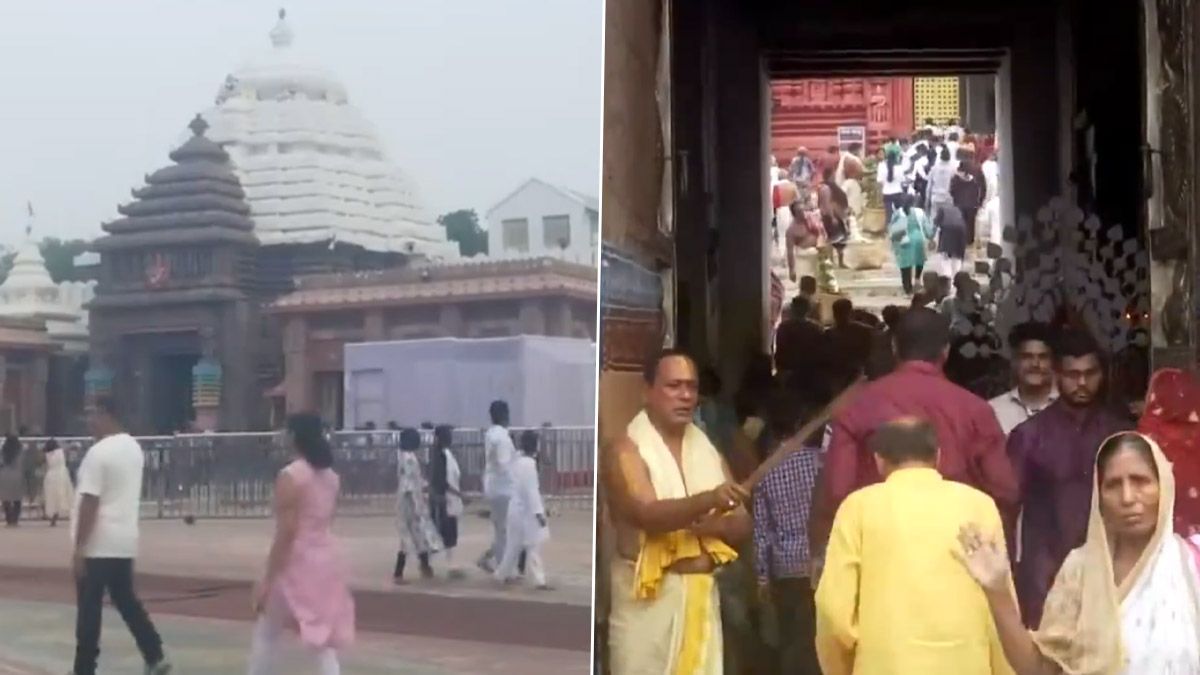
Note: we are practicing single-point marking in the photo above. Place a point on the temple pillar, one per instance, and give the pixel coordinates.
(452, 321)
(1036, 107)
(206, 392)
(5, 403)
(373, 326)
(743, 204)
(1171, 164)
(631, 182)
(531, 318)
(35, 407)
(297, 376)
(562, 324)
(140, 374)
(977, 103)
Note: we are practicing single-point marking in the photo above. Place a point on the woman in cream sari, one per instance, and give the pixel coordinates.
(1124, 603)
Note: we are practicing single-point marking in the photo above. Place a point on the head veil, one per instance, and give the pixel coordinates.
(1081, 623)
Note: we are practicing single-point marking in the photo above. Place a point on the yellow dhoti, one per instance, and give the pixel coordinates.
(662, 623)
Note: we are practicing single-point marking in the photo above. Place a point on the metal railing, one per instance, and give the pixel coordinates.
(232, 475)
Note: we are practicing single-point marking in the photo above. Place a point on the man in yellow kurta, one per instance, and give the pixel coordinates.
(893, 600)
(676, 516)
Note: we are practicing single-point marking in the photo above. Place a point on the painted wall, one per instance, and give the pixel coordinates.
(808, 112)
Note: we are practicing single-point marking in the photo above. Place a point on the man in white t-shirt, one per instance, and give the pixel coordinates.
(497, 480)
(1033, 370)
(104, 531)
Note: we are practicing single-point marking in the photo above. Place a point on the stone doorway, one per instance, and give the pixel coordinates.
(171, 392)
(331, 396)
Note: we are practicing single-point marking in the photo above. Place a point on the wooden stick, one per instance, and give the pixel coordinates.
(807, 430)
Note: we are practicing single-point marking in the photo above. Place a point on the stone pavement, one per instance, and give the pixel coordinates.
(36, 639)
(237, 549)
(195, 582)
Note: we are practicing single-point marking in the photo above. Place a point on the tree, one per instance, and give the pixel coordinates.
(462, 226)
(59, 256)
(6, 262)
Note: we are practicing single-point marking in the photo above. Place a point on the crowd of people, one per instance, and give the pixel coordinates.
(34, 478)
(936, 188)
(919, 528)
(304, 588)
(858, 340)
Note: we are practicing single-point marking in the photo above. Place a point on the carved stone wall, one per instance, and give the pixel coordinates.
(808, 112)
(1172, 165)
(631, 321)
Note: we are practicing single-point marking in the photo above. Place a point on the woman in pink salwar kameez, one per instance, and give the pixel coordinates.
(304, 588)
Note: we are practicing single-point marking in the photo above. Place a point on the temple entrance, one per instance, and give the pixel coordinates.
(171, 392)
(331, 396)
(880, 136)
(845, 82)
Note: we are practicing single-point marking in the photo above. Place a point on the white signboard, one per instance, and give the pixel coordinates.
(847, 136)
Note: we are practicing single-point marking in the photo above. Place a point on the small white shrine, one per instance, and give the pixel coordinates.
(30, 293)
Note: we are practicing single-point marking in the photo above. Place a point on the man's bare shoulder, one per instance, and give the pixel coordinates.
(624, 451)
(623, 445)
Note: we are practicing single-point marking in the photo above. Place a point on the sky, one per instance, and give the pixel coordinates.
(470, 97)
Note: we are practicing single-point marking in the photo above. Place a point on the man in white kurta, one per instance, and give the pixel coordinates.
(676, 516)
(527, 528)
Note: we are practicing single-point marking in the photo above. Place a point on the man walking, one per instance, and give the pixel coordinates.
(497, 481)
(1054, 455)
(969, 437)
(893, 599)
(781, 510)
(1033, 368)
(800, 342)
(104, 529)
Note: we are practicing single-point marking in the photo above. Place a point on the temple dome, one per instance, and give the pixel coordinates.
(198, 190)
(29, 270)
(313, 168)
(29, 292)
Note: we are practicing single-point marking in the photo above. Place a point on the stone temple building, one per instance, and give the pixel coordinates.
(178, 291)
(283, 181)
(313, 168)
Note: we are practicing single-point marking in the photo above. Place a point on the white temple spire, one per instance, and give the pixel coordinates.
(29, 292)
(297, 145)
(281, 34)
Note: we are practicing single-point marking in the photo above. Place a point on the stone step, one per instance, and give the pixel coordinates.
(870, 287)
(876, 303)
(876, 279)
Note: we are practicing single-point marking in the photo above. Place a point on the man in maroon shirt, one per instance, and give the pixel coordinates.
(971, 443)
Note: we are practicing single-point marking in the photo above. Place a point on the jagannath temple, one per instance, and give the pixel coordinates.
(280, 187)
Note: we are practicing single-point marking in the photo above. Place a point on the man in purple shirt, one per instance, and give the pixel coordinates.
(1053, 454)
(781, 510)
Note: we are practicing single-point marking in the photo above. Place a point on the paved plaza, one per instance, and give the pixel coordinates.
(195, 582)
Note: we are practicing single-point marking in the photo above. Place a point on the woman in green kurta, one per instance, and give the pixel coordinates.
(909, 230)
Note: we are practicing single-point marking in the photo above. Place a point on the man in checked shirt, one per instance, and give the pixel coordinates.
(781, 511)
